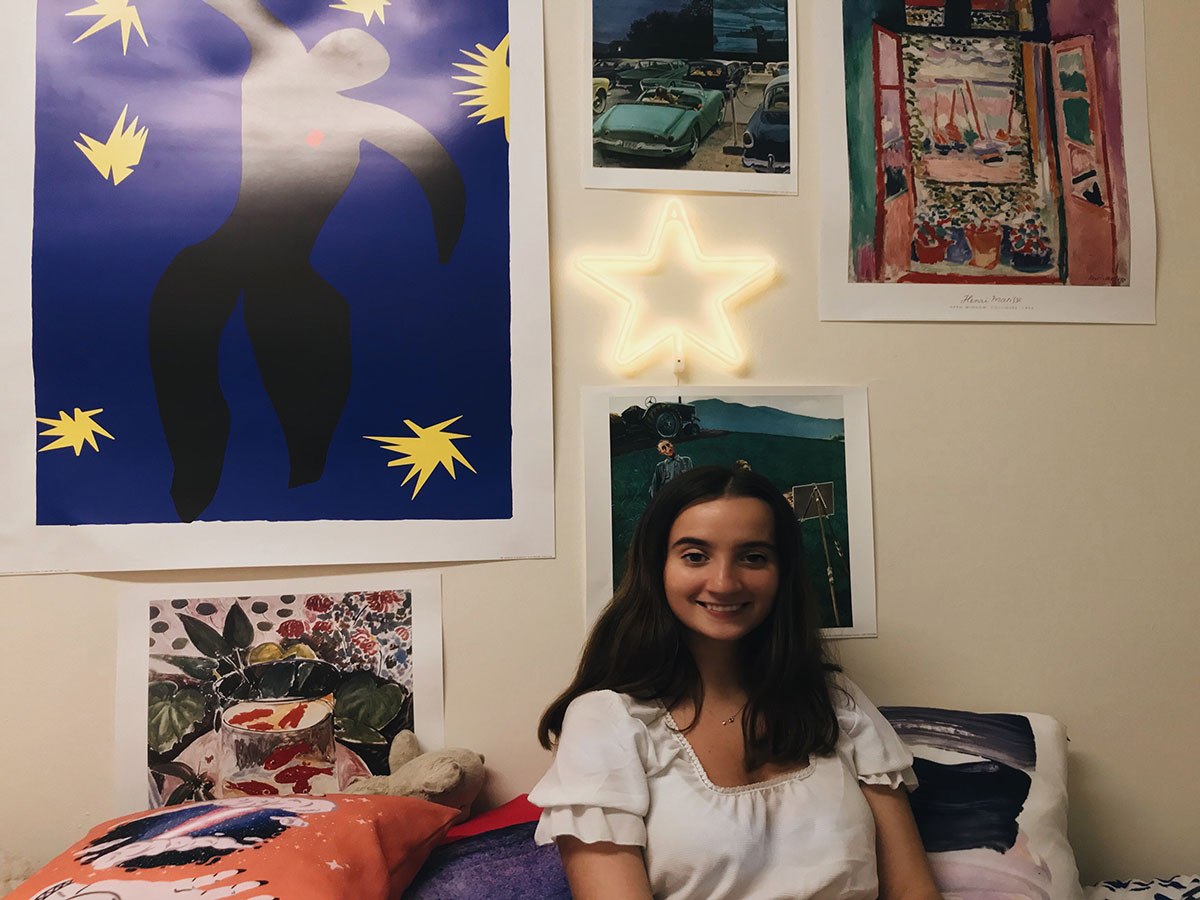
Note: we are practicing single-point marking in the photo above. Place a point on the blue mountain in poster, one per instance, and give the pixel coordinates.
(721, 415)
(300, 313)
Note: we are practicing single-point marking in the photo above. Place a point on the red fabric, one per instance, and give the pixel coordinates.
(514, 812)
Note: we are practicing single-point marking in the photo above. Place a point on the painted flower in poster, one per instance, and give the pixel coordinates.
(256, 696)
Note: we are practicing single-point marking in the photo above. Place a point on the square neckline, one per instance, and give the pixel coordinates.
(752, 787)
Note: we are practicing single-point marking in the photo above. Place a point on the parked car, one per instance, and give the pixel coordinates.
(737, 71)
(710, 73)
(610, 68)
(664, 122)
(664, 70)
(600, 88)
(766, 143)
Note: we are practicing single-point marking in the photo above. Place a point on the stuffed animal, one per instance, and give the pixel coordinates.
(452, 777)
(13, 871)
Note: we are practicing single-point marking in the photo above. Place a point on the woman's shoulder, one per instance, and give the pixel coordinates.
(609, 704)
(878, 754)
(843, 692)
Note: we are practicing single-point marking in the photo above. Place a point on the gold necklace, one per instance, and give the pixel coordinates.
(729, 721)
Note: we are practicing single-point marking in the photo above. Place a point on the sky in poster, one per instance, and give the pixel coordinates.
(611, 18)
(429, 341)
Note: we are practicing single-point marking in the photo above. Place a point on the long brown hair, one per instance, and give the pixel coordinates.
(638, 647)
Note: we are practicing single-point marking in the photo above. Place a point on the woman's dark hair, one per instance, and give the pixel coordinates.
(638, 646)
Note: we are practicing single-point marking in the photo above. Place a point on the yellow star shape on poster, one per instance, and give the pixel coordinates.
(72, 431)
(674, 295)
(427, 449)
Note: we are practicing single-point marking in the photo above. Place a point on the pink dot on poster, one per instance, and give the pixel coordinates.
(315, 137)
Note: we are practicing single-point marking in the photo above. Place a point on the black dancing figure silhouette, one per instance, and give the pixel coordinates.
(300, 149)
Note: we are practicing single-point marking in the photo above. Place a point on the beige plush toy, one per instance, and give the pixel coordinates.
(452, 777)
(13, 871)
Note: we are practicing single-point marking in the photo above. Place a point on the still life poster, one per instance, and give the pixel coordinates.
(691, 95)
(812, 443)
(278, 691)
(986, 160)
(279, 314)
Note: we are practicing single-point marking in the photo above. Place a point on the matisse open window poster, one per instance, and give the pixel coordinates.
(281, 308)
(272, 688)
(812, 443)
(986, 160)
(690, 95)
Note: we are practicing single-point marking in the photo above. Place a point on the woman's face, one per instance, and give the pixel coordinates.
(722, 569)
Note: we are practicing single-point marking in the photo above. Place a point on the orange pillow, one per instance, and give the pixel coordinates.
(294, 847)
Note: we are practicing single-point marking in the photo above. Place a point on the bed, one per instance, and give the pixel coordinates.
(992, 811)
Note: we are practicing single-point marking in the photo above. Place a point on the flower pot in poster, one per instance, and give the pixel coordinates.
(985, 244)
(929, 249)
(1031, 258)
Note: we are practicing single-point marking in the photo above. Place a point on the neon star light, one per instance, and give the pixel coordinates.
(675, 296)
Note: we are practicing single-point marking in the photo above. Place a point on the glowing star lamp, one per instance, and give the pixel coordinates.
(675, 296)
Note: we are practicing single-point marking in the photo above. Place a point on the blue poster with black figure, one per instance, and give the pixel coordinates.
(274, 279)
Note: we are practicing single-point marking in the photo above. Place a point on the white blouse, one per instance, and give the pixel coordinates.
(623, 773)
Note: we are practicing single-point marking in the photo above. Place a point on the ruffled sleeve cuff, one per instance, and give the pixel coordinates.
(596, 788)
(876, 753)
(591, 824)
(906, 777)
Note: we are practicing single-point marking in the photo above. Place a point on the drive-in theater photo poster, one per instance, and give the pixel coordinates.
(690, 95)
(281, 305)
(986, 160)
(811, 442)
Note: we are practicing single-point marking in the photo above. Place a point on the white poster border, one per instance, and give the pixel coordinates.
(596, 404)
(656, 179)
(843, 300)
(529, 533)
(133, 639)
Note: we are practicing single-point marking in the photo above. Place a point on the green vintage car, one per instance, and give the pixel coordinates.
(664, 122)
(631, 76)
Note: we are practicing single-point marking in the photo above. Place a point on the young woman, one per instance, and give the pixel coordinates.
(707, 748)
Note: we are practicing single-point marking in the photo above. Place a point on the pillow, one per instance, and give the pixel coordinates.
(515, 811)
(1177, 887)
(992, 802)
(503, 864)
(293, 847)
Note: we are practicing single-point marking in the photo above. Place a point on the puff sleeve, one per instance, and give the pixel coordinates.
(869, 743)
(596, 788)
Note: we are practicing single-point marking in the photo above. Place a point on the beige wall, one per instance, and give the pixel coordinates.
(1035, 497)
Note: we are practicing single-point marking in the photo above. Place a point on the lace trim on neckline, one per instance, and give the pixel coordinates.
(795, 775)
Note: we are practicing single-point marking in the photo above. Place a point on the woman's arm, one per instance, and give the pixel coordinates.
(604, 871)
(904, 871)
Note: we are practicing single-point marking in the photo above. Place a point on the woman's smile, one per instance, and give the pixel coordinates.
(722, 569)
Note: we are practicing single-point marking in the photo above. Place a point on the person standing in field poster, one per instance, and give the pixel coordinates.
(808, 445)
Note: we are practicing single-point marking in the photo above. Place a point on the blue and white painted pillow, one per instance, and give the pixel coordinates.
(1178, 887)
(992, 802)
